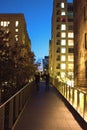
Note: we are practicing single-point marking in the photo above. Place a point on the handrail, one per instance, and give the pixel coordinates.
(13, 96)
(75, 96)
(11, 109)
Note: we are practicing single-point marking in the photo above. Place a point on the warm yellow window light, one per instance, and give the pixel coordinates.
(70, 42)
(62, 74)
(70, 58)
(63, 50)
(16, 30)
(16, 23)
(63, 42)
(70, 66)
(63, 34)
(70, 35)
(63, 58)
(63, 27)
(63, 66)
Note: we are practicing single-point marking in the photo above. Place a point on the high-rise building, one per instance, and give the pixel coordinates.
(80, 32)
(15, 25)
(61, 52)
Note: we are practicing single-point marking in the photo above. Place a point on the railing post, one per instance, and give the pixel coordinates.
(11, 114)
(16, 106)
(2, 118)
(85, 107)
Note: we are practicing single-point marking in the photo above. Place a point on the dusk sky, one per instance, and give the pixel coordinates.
(38, 15)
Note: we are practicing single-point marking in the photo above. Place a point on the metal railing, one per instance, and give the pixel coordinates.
(13, 107)
(75, 96)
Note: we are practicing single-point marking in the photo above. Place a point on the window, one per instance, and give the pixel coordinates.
(63, 13)
(58, 27)
(70, 8)
(2, 23)
(70, 50)
(71, 58)
(58, 19)
(70, 27)
(16, 23)
(16, 30)
(63, 34)
(58, 66)
(58, 42)
(63, 27)
(58, 5)
(5, 23)
(58, 50)
(62, 5)
(58, 34)
(58, 58)
(63, 50)
(16, 37)
(58, 12)
(70, 42)
(63, 58)
(70, 20)
(63, 19)
(70, 66)
(63, 66)
(62, 74)
(70, 35)
(63, 42)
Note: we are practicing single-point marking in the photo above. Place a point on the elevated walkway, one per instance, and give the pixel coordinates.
(47, 111)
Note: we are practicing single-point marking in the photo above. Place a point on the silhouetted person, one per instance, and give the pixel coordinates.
(47, 78)
(37, 80)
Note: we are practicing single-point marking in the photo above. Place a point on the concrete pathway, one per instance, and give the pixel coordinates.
(47, 111)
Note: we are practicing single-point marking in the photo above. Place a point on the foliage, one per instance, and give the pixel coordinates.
(16, 62)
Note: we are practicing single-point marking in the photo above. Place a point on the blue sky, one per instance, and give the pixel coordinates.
(38, 15)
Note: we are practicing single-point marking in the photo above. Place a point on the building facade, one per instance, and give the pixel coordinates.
(61, 45)
(80, 32)
(46, 64)
(15, 26)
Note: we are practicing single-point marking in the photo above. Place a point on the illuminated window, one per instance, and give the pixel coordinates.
(2, 23)
(70, 42)
(70, 35)
(63, 50)
(63, 13)
(16, 37)
(63, 34)
(63, 58)
(62, 74)
(16, 23)
(71, 58)
(63, 42)
(5, 23)
(63, 27)
(16, 30)
(62, 5)
(70, 66)
(63, 66)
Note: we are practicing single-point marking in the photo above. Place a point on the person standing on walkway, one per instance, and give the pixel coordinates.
(37, 80)
(47, 78)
